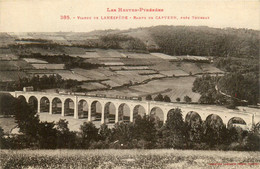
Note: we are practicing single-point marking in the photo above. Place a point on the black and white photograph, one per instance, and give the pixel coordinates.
(120, 84)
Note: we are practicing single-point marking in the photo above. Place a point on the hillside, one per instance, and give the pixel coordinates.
(198, 41)
(134, 61)
(172, 40)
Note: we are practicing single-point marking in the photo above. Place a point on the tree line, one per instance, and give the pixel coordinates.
(166, 98)
(43, 82)
(145, 132)
(159, 97)
(104, 41)
(241, 65)
(68, 61)
(121, 41)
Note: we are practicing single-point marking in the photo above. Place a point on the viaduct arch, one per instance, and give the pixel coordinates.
(112, 110)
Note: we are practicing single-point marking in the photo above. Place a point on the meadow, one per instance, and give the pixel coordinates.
(127, 159)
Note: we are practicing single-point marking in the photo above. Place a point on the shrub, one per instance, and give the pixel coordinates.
(148, 97)
(253, 142)
(159, 97)
(187, 99)
(167, 98)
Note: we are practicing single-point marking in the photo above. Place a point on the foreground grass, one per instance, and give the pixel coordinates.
(127, 159)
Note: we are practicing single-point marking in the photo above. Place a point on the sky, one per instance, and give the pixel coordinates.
(48, 15)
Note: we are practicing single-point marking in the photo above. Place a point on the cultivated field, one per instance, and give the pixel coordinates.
(120, 69)
(8, 76)
(48, 66)
(33, 60)
(190, 68)
(177, 87)
(15, 65)
(173, 87)
(7, 56)
(93, 86)
(127, 159)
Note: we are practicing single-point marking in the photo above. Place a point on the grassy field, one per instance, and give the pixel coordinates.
(127, 159)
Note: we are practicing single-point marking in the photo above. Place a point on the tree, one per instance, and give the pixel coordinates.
(104, 133)
(159, 97)
(1, 138)
(34, 133)
(148, 97)
(145, 130)
(236, 137)
(62, 126)
(174, 132)
(194, 126)
(7, 103)
(167, 98)
(232, 103)
(214, 131)
(88, 132)
(27, 119)
(178, 99)
(65, 137)
(241, 86)
(187, 99)
(123, 134)
(253, 141)
(206, 86)
(46, 135)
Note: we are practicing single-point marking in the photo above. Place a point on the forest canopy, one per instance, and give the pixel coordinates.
(205, 41)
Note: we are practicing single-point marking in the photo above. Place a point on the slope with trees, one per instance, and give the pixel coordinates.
(205, 41)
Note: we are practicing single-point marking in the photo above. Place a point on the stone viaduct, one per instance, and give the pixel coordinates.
(112, 110)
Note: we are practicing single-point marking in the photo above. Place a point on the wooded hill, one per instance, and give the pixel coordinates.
(173, 40)
(191, 40)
